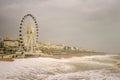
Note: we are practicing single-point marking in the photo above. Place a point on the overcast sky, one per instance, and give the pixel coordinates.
(91, 24)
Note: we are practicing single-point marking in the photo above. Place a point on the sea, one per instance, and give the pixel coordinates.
(96, 67)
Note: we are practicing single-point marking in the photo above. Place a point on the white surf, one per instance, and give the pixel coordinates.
(105, 67)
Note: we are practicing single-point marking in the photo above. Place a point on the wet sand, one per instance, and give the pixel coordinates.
(7, 59)
(60, 56)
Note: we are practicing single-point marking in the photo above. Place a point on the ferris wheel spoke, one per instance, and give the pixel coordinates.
(29, 38)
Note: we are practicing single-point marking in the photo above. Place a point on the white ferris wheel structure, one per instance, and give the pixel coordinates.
(28, 34)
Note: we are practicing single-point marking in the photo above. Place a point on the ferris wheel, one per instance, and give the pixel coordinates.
(28, 33)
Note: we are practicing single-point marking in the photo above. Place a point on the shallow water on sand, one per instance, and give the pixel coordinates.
(99, 67)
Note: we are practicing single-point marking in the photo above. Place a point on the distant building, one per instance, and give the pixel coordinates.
(11, 43)
(1, 43)
(53, 46)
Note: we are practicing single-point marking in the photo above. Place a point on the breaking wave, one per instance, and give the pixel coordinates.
(105, 67)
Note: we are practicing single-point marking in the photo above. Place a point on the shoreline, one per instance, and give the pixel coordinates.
(55, 56)
(7, 59)
(60, 56)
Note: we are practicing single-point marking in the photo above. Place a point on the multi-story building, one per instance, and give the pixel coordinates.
(11, 43)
